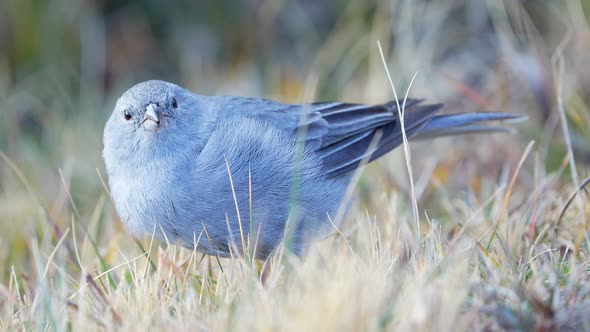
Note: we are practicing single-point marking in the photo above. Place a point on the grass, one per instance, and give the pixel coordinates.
(502, 240)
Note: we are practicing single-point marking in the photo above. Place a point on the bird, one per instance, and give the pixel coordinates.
(227, 174)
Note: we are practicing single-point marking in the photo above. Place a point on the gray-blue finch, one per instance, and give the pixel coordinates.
(192, 169)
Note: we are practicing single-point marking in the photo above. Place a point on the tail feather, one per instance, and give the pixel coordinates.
(462, 130)
(467, 123)
(361, 132)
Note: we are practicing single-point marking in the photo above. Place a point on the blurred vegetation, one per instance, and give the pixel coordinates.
(63, 63)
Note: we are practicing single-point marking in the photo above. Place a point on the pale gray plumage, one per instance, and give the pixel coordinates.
(169, 155)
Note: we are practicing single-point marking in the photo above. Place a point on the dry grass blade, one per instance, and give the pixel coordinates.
(68, 193)
(233, 191)
(508, 194)
(407, 154)
(569, 202)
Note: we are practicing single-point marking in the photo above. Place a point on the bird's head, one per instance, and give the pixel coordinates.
(155, 119)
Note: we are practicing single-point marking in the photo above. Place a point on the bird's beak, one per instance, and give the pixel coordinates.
(151, 117)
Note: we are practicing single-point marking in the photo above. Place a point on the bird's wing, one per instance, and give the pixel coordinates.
(342, 134)
(366, 132)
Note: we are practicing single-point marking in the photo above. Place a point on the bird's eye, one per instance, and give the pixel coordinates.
(127, 115)
(174, 103)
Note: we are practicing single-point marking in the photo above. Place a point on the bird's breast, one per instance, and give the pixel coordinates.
(144, 199)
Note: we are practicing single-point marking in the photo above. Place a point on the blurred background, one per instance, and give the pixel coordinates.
(63, 63)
